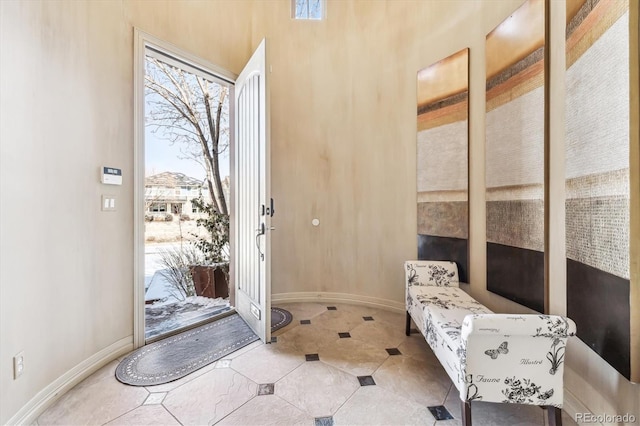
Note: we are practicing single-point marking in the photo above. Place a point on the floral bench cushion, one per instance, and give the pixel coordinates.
(446, 310)
(432, 273)
(439, 313)
(491, 357)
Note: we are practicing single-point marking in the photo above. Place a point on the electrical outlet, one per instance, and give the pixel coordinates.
(18, 365)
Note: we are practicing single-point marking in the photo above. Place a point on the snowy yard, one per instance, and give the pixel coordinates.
(163, 232)
(165, 311)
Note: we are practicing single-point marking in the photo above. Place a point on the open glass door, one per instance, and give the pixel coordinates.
(187, 118)
(253, 205)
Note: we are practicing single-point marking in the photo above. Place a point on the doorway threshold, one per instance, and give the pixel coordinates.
(160, 332)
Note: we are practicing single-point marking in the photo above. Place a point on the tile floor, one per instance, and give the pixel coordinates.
(345, 366)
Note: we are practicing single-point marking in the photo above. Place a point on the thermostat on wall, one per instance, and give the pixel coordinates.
(111, 176)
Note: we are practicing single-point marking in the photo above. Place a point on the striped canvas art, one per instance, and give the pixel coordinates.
(597, 176)
(515, 156)
(442, 161)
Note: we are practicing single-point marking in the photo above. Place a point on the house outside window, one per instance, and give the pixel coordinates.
(158, 208)
(172, 192)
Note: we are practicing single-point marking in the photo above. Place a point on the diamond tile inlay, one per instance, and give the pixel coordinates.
(440, 412)
(393, 351)
(366, 381)
(223, 363)
(274, 340)
(266, 389)
(155, 398)
(368, 318)
(332, 308)
(305, 321)
(324, 421)
(344, 335)
(312, 357)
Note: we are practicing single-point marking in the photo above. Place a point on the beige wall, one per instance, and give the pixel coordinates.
(66, 267)
(343, 99)
(343, 140)
(67, 108)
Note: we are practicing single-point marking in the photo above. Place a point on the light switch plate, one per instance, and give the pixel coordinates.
(18, 365)
(108, 203)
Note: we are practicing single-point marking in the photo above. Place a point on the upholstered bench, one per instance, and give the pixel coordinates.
(508, 358)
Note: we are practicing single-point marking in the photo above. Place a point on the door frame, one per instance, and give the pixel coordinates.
(142, 40)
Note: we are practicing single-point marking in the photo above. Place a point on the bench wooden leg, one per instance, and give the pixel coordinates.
(466, 413)
(554, 415)
(408, 327)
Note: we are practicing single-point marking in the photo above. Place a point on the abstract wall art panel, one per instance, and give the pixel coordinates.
(442, 161)
(597, 176)
(515, 156)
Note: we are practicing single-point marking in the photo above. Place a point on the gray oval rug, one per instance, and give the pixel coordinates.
(279, 318)
(175, 357)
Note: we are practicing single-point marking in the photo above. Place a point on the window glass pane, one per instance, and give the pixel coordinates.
(315, 9)
(302, 11)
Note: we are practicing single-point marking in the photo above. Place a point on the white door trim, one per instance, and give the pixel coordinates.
(142, 40)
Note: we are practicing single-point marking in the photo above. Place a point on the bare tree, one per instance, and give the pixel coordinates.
(192, 111)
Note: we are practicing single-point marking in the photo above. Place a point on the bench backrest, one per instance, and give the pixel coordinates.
(431, 272)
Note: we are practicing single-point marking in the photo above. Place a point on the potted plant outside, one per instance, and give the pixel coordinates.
(211, 279)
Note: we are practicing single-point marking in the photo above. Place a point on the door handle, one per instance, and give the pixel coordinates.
(260, 231)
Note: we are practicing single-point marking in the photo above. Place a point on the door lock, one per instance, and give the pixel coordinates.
(269, 210)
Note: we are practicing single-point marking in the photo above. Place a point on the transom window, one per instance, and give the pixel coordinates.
(307, 9)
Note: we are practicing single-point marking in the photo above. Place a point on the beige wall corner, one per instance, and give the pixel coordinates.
(556, 273)
(634, 163)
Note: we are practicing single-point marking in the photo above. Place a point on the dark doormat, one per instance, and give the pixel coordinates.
(279, 318)
(175, 357)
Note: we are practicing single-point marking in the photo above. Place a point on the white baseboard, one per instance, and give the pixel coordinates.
(324, 297)
(572, 406)
(29, 413)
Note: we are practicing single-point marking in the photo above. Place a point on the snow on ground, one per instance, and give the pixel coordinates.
(162, 317)
(152, 265)
(162, 232)
(156, 285)
(168, 312)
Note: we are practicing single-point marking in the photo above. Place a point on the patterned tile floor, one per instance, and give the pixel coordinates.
(333, 365)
